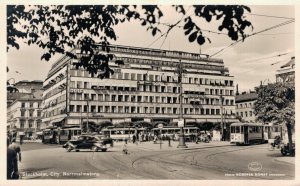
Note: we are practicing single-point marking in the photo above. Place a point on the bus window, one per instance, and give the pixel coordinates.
(237, 129)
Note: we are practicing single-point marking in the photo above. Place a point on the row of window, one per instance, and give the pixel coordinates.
(30, 124)
(245, 114)
(150, 99)
(30, 104)
(244, 105)
(156, 78)
(30, 113)
(148, 88)
(145, 110)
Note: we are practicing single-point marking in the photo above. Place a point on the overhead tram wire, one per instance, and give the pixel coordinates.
(167, 32)
(247, 36)
(270, 16)
(259, 59)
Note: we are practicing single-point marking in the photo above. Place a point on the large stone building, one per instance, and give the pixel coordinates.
(24, 109)
(144, 88)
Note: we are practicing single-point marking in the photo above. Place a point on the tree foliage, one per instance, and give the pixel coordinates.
(59, 28)
(275, 103)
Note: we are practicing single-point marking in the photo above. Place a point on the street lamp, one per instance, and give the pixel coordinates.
(181, 121)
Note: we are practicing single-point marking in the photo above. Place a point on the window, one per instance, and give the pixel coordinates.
(30, 124)
(126, 98)
(93, 97)
(22, 113)
(126, 76)
(71, 108)
(126, 109)
(30, 105)
(100, 97)
(139, 77)
(86, 85)
(113, 109)
(120, 109)
(207, 111)
(100, 108)
(78, 108)
(107, 97)
(79, 96)
(113, 97)
(106, 108)
(251, 113)
(39, 113)
(132, 76)
(237, 129)
(22, 123)
(79, 84)
(93, 108)
(174, 110)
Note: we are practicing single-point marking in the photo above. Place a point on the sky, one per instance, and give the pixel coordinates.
(245, 60)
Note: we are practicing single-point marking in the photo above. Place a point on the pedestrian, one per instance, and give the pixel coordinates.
(16, 148)
(209, 136)
(12, 163)
(133, 139)
(21, 139)
(124, 148)
(169, 140)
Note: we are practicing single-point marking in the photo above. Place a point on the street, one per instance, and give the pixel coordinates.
(203, 161)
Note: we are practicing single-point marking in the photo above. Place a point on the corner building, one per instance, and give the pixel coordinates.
(145, 88)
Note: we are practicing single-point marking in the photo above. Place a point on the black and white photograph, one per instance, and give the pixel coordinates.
(150, 92)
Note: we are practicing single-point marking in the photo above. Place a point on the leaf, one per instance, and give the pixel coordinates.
(193, 36)
(200, 40)
(154, 31)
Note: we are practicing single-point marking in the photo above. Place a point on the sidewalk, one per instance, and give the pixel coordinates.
(150, 146)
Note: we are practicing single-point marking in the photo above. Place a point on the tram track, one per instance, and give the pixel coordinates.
(165, 164)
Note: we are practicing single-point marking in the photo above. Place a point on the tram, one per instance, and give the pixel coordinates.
(190, 133)
(60, 135)
(123, 133)
(246, 133)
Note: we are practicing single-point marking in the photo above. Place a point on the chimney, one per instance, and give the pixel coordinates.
(237, 90)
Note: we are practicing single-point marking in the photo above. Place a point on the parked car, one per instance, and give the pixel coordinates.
(93, 142)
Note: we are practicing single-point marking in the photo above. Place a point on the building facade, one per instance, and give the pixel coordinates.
(24, 116)
(24, 108)
(286, 73)
(245, 106)
(145, 88)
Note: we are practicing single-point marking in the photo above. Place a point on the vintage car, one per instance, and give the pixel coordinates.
(93, 142)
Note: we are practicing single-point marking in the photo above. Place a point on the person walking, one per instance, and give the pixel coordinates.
(169, 140)
(12, 163)
(16, 148)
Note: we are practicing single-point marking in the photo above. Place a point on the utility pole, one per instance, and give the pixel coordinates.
(222, 122)
(87, 115)
(181, 134)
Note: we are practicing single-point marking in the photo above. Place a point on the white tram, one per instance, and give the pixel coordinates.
(246, 133)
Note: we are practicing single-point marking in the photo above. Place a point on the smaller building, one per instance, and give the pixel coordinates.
(286, 73)
(24, 109)
(245, 106)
